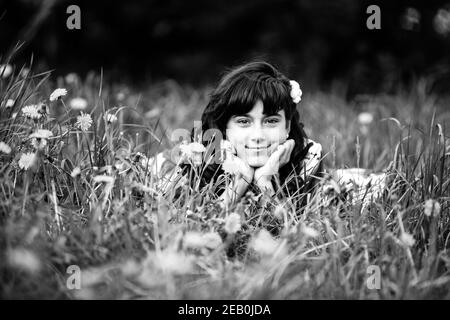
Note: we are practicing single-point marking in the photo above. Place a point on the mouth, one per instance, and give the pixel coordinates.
(258, 148)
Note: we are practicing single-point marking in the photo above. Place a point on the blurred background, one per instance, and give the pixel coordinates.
(320, 43)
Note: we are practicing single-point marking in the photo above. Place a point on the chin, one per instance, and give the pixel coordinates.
(256, 162)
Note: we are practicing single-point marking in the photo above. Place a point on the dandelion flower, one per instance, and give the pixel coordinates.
(407, 239)
(71, 78)
(173, 262)
(5, 70)
(233, 223)
(193, 151)
(227, 146)
(75, 172)
(212, 240)
(104, 178)
(153, 113)
(365, 118)
(43, 109)
(5, 148)
(78, 103)
(193, 240)
(110, 118)
(309, 232)
(84, 121)
(39, 138)
(432, 207)
(57, 94)
(24, 259)
(31, 112)
(9, 103)
(42, 134)
(279, 212)
(264, 243)
(27, 160)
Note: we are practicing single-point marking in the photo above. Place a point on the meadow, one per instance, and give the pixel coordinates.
(76, 191)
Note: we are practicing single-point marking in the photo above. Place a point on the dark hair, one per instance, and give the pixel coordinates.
(236, 94)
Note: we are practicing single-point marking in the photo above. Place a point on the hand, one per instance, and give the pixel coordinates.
(279, 158)
(242, 175)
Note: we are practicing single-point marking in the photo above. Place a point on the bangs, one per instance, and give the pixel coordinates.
(246, 92)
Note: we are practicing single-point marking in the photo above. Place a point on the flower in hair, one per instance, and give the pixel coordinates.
(296, 92)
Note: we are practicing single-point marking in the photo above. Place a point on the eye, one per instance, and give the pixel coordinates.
(272, 120)
(243, 121)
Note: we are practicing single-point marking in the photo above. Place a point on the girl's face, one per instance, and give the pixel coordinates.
(255, 135)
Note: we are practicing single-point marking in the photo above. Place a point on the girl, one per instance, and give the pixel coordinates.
(252, 113)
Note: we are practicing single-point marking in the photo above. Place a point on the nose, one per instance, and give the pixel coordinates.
(257, 134)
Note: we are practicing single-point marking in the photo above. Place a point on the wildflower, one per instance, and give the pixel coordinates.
(233, 223)
(24, 259)
(309, 232)
(365, 118)
(407, 239)
(57, 94)
(212, 240)
(31, 112)
(75, 172)
(5, 70)
(43, 109)
(5, 148)
(104, 178)
(193, 151)
(432, 207)
(84, 121)
(153, 113)
(264, 243)
(9, 103)
(296, 92)
(110, 118)
(14, 115)
(71, 78)
(227, 146)
(279, 212)
(42, 134)
(193, 240)
(24, 73)
(39, 138)
(78, 103)
(173, 262)
(27, 160)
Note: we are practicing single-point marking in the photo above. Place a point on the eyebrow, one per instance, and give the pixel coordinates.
(265, 115)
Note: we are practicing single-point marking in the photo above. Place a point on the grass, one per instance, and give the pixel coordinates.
(132, 242)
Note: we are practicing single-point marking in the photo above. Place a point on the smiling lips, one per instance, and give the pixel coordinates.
(258, 148)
